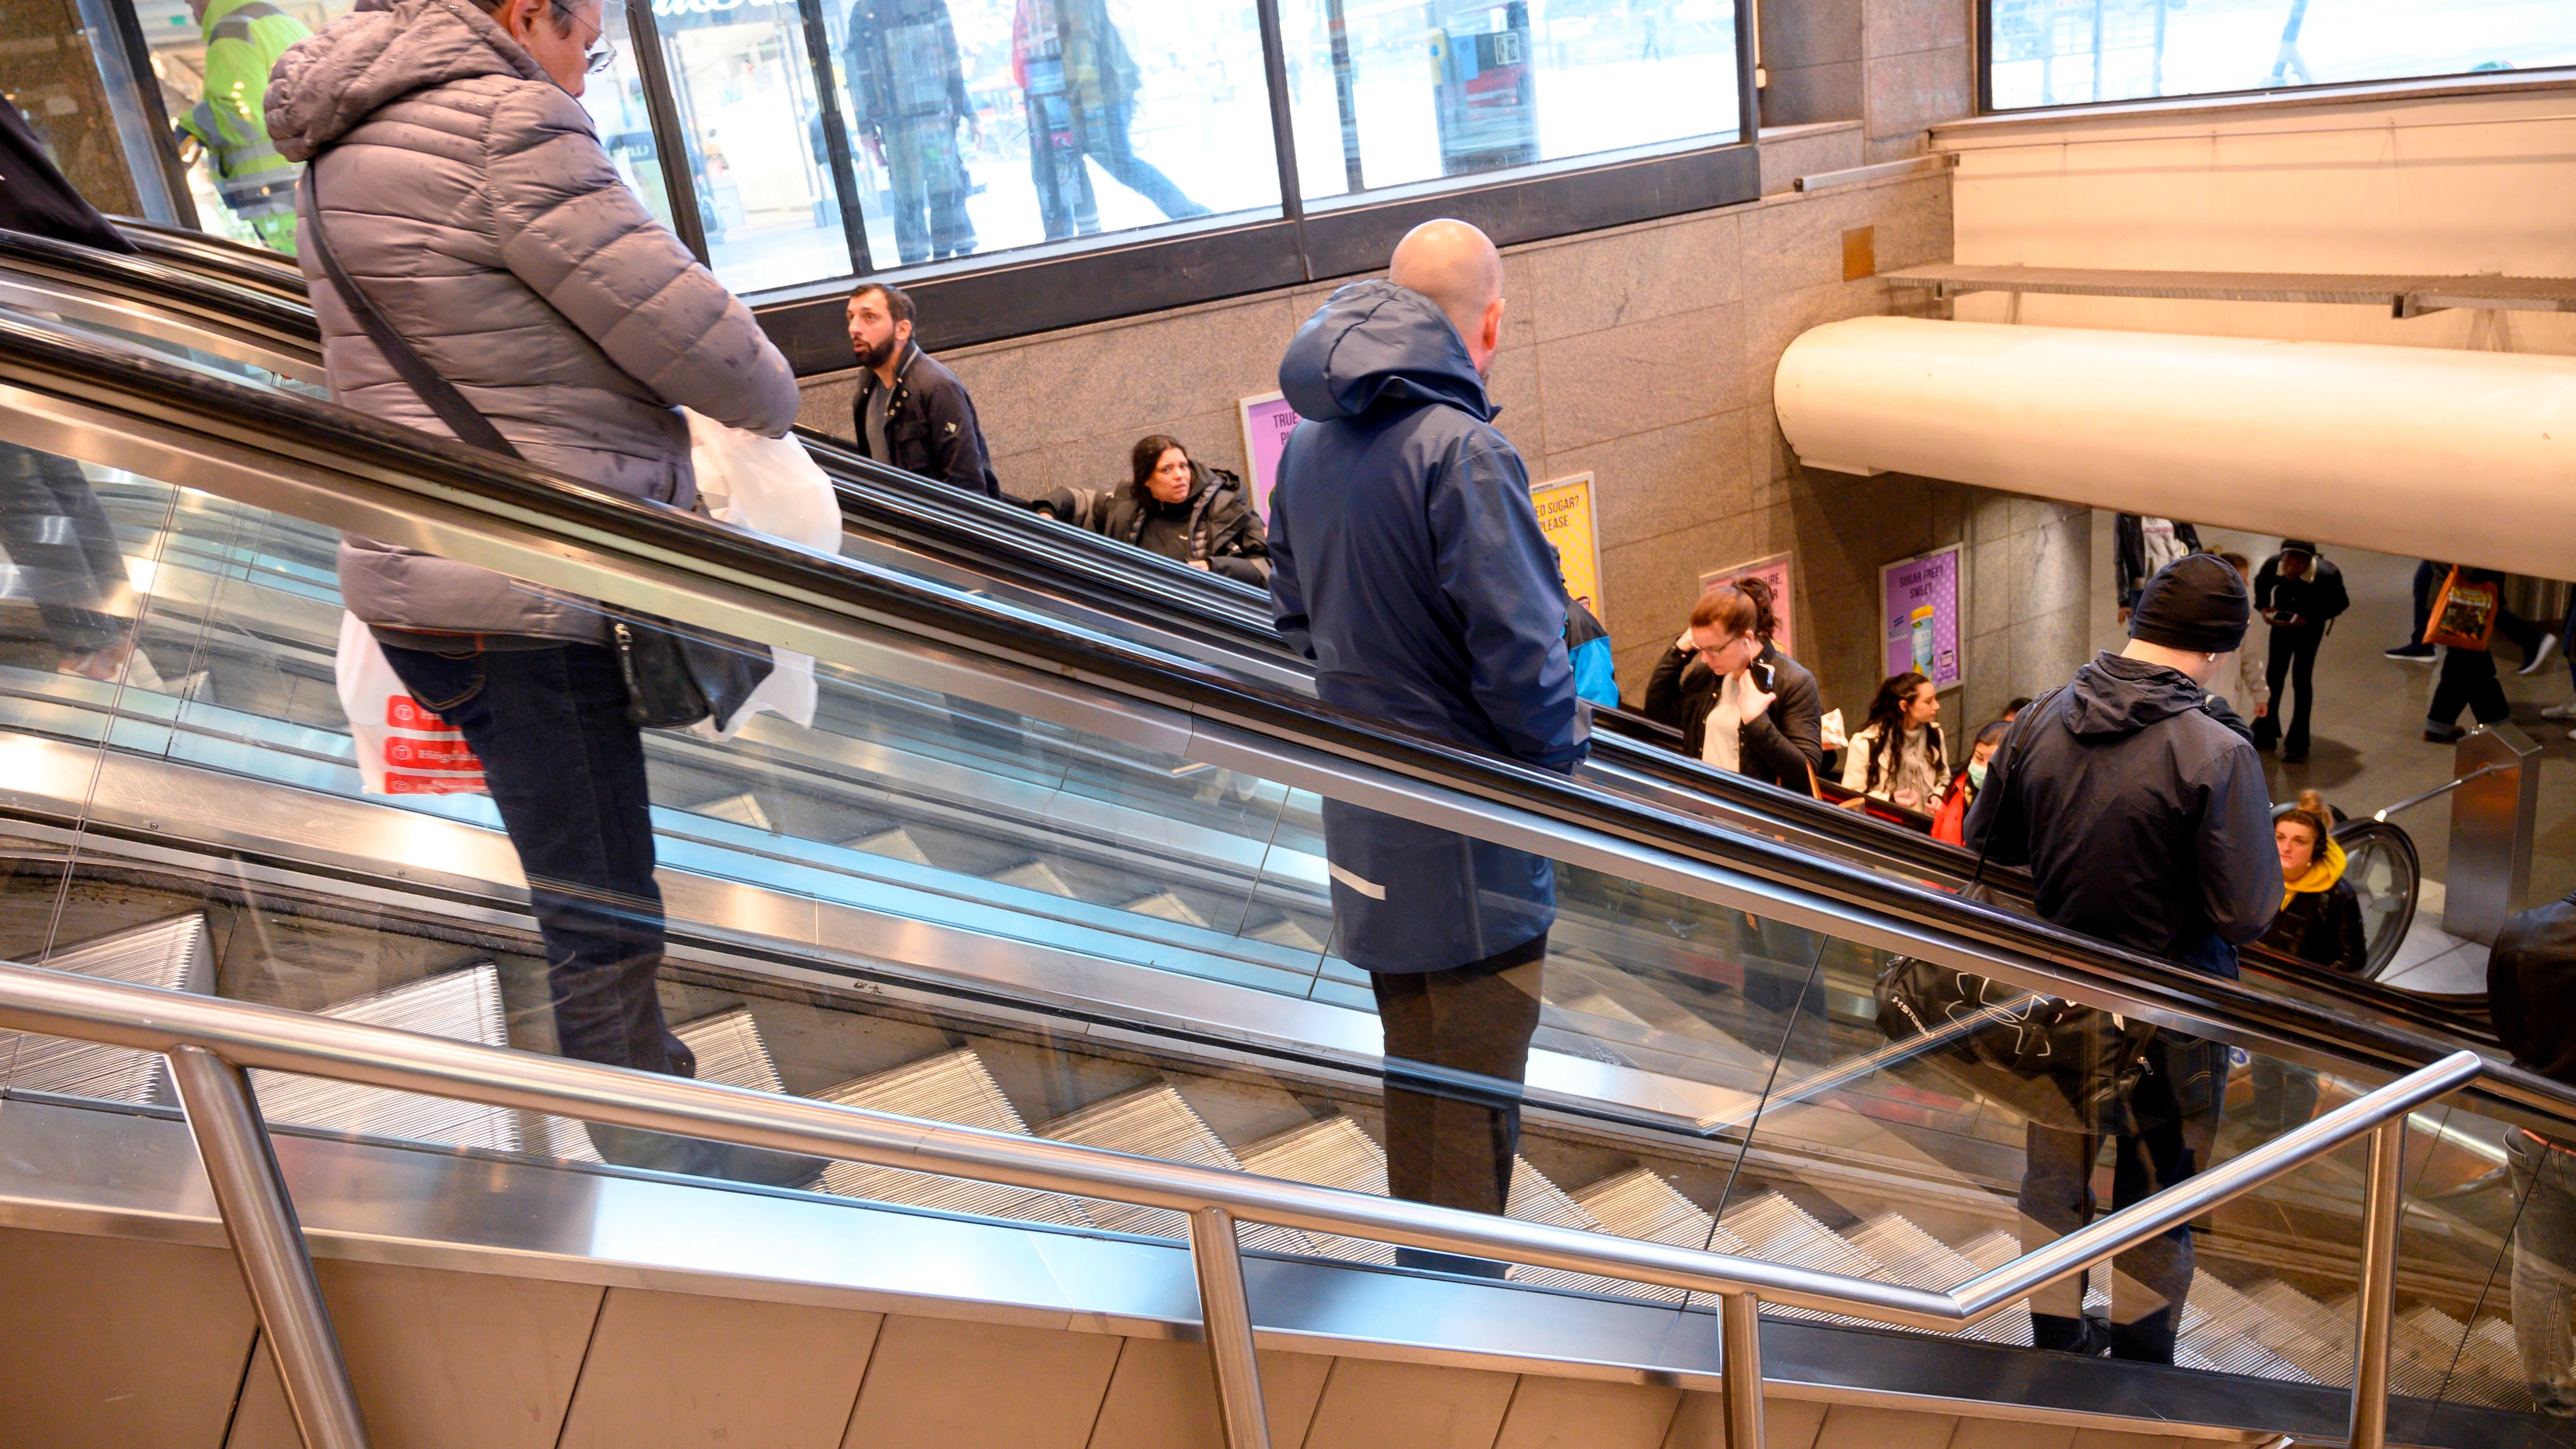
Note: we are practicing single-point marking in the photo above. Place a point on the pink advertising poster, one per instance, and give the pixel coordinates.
(1267, 421)
(1774, 571)
(1918, 607)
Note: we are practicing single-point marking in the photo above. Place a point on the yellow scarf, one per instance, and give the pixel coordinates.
(2321, 875)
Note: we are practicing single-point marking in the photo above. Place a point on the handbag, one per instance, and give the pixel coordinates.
(2464, 613)
(675, 674)
(2058, 1063)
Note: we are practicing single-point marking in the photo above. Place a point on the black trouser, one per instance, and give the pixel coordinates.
(2174, 1112)
(2294, 657)
(2468, 678)
(1450, 1142)
(566, 769)
(65, 549)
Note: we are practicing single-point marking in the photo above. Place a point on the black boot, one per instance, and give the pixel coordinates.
(2149, 1340)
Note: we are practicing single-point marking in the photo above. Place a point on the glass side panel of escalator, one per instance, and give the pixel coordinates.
(931, 904)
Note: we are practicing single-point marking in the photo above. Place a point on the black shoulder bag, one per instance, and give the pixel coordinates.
(2057, 1063)
(676, 674)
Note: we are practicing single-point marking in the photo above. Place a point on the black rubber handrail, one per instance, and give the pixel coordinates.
(151, 393)
(1004, 540)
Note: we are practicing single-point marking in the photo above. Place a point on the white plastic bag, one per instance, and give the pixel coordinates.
(771, 486)
(1830, 728)
(403, 749)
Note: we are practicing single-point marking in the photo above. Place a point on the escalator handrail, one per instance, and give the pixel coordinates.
(246, 1035)
(217, 298)
(241, 262)
(745, 572)
(1012, 542)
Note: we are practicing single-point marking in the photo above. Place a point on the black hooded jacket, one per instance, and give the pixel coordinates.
(2143, 819)
(35, 198)
(930, 424)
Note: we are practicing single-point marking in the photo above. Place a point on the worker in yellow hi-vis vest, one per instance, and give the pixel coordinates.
(243, 39)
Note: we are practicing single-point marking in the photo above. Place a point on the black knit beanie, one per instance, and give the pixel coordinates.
(2197, 602)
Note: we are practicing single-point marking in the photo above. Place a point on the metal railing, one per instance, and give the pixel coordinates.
(213, 1043)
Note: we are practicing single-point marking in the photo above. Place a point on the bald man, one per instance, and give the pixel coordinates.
(1407, 562)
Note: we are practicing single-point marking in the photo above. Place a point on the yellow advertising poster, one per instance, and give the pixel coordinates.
(1565, 516)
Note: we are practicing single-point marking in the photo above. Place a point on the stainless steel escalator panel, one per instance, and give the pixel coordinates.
(174, 955)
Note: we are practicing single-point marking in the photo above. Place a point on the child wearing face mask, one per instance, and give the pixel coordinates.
(1964, 786)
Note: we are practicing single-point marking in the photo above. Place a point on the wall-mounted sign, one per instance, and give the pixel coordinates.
(1918, 605)
(1565, 515)
(1775, 571)
(1267, 422)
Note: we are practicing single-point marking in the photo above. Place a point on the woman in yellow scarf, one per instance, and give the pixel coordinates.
(2320, 919)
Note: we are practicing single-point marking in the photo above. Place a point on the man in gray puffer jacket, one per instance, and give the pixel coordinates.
(462, 187)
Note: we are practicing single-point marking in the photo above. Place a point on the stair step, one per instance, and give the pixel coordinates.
(1155, 1121)
(1034, 875)
(895, 844)
(1777, 1230)
(742, 809)
(1164, 905)
(1917, 1259)
(950, 1087)
(174, 955)
(458, 1005)
(729, 1050)
(1536, 1200)
(1285, 932)
(1328, 1152)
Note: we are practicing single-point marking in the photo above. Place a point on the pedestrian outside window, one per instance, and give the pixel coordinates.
(744, 86)
(1389, 95)
(2073, 52)
(614, 97)
(982, 125)
(211, 59)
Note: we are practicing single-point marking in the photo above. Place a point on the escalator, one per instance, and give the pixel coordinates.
(1031, 874)
(1003, 551)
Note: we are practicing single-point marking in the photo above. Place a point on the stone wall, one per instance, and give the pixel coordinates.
(1644, 356)
(1897, 66)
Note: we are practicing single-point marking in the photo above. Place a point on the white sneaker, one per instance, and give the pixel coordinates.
(2540, 656)
(2560, 711)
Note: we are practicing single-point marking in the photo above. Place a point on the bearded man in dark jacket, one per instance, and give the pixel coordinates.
(1407, 562)
(2145, 822)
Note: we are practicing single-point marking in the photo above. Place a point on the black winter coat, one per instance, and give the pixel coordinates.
(2316, 597)
(35, 198)
(2531, 993)
(2323, 928)
(1782, 746)
(930, 424)
(2144, 820)
(1215, 525)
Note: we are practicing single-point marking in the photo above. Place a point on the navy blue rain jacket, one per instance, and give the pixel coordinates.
(1407, 562)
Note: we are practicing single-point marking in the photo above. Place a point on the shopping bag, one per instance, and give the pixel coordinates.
(403, 749)
(770, 486)
(2464, 612)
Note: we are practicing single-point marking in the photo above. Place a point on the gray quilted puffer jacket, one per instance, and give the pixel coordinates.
(469, 195)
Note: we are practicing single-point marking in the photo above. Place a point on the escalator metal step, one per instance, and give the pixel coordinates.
(895, 844)
(1164, 905)
(1155, 1121)
(742, 809)
(174, 955)
(2490, 1371)
(1328, 1152)
(458, 1005)
(951, 1087)
(729, 1050)
(1033, 875)
(1911, 1256)
(1777, 1230)
(1285, 932)
(1537, 1200)
(2417, 1361)
(1639, 1203)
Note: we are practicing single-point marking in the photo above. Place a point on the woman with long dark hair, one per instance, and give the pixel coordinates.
(1900, 755)
(1739, 702)
(1182, 509)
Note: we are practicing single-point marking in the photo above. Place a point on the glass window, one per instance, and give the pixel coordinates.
(212, 67)
(1386, 94)
(2071, 52)
(980, 125)
(744, 86)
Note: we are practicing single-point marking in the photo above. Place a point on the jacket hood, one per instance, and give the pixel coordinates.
(376, 55)
(2115, 696)
(2321, 875)
(1375, 343)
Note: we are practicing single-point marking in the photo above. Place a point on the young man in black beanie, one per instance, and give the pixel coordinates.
(2145, 822)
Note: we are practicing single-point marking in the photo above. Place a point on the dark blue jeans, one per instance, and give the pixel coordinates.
(566, 769)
